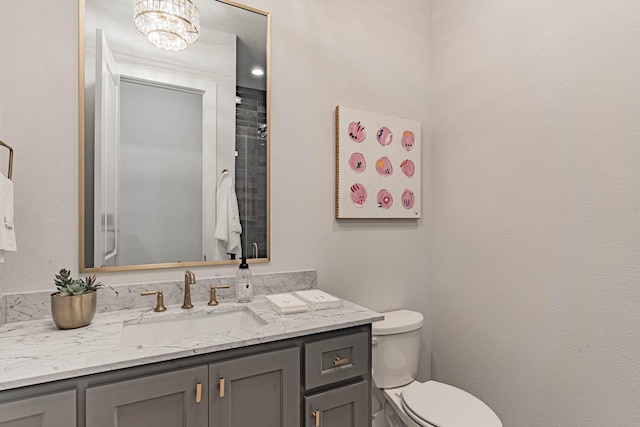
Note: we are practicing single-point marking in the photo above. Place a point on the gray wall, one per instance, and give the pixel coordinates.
(536, 186)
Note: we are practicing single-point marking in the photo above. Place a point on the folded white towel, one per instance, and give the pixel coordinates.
(286, 304)
(317, 299)
(7, 232)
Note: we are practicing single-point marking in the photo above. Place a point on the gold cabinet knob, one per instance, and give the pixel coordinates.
(338, 361)
(221, 384)
(198, 392)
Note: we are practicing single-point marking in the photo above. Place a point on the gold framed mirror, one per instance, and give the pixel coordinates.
(173, 145)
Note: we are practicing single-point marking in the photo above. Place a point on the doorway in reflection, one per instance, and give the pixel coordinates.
(160, 172)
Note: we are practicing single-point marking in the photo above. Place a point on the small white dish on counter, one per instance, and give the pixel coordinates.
(286, 304)
(317, 299)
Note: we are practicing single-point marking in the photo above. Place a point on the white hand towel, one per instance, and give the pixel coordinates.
(7, 232)
(228, 228)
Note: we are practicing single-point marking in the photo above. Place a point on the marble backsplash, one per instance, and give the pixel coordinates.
(36, 305)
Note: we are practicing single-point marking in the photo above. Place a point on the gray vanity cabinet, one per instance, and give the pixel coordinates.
(50, 410)
(329, 364)
(286, 383)
(173, 399)
(259, 390)
(345, 406)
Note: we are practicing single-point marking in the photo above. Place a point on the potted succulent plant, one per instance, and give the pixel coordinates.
(74, 305)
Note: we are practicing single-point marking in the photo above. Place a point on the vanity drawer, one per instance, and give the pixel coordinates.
(335, 359)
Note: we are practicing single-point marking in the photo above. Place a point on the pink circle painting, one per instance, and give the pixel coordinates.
(384, 136)
(357, 163)
(408, 140)
(408, 168)
(383, 166)
(408, 199)
(358, 195)
(385, 200)
(357, 132)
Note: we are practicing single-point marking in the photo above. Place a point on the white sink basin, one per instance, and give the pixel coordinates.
(168, 330)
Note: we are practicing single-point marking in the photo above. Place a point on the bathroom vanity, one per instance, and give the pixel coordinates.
(303, 369)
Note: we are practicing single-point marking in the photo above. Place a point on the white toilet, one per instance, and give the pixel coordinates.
(396, 348)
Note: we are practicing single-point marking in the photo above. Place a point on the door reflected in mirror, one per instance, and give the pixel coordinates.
(175, 145)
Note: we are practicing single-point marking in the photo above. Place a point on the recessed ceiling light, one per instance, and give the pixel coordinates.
(257, 71)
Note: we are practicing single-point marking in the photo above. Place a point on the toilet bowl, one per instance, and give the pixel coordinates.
(396, 348)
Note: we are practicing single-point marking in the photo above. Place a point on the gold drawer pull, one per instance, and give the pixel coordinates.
(198, 392)
(221, 387)
(316, 414)
(339, 362)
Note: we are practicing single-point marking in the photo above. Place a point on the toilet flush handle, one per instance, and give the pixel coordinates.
(374, 341)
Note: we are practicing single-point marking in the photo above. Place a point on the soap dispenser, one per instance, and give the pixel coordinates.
(244, 282)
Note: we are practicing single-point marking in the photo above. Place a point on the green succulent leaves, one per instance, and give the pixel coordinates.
(67, 285)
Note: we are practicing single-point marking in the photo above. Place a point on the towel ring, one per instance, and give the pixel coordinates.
(10, 170)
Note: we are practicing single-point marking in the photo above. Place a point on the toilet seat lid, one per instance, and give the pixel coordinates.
(446, 406)
(397, 322)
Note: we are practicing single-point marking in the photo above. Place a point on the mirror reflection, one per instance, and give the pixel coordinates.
(175, 143)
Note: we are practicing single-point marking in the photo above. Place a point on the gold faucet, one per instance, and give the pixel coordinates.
(189, 279)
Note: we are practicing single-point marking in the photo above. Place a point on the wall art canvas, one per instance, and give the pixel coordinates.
(377, 165)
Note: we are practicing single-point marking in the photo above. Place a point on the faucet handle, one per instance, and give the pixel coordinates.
(213, 300)
(159, 301)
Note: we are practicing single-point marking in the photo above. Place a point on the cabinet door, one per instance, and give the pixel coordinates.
(261, 390)
(340, 407)
(173, 399)
(51, 410)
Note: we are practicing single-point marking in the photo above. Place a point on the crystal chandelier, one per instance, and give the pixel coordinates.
(168, 24)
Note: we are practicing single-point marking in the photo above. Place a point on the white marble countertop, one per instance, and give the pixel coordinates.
(34, 352)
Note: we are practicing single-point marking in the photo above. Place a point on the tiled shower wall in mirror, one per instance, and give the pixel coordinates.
(251, 169)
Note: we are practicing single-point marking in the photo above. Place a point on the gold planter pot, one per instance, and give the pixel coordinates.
(73, 311)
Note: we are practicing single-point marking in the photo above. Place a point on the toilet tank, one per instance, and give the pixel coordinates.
(396, 348)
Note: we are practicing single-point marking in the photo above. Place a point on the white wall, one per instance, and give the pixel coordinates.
(368, 56)
(536, 195)
(38, 106)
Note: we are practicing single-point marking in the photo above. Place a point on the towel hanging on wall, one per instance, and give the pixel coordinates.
(7, 232)
(10, 168)
(228, 228)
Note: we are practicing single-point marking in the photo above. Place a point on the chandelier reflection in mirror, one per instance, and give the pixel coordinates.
(168, 24)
